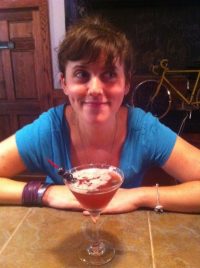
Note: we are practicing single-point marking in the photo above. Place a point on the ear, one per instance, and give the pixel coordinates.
(127, 88)
(63, 83)
(128, 84)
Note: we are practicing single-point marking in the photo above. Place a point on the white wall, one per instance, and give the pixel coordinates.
(57, 31)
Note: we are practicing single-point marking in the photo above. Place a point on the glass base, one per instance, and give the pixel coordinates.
(100, 255)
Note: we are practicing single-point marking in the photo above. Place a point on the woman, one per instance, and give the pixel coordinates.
(95, 62)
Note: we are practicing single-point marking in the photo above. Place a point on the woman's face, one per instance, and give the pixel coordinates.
(95, 91)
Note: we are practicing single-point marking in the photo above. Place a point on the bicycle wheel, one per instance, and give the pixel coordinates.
(144, 98)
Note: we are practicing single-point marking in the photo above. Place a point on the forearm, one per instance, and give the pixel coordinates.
(183, 197)
(59, 196)
(11, 191)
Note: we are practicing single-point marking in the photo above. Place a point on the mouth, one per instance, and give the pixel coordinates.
(95, 102)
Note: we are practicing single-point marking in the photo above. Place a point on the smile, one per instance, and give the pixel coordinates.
(95, 102)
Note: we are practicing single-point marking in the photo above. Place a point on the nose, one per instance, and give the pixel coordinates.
(95, 86)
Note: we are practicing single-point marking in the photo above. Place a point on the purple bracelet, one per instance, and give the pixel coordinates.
(41, 192)
(30, 193)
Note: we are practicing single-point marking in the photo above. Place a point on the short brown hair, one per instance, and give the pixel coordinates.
(89, 37)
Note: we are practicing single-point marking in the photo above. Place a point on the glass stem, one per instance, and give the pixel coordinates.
(97, 247)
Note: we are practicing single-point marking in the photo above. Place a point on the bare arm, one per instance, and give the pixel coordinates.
(11, 164)
(184, 162)
(181, 198)
(184, 165)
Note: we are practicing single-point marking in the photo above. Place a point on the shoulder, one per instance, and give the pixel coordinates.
(139, 119)
(54, 114)
(149, 129)
(41, 139)
(57, 111)
(49, 119)
(45, 124)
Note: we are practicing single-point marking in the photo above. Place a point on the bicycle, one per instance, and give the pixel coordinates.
(155, 96)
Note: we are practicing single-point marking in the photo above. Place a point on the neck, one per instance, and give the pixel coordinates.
(96, 143)
(97, 134)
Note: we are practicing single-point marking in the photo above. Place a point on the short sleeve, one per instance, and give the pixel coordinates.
(159, 140)
(34, 142)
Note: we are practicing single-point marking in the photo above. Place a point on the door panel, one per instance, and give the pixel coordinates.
(24, 75)
(5, 67)
(2, 80)
(20, 29)
(5, 127)
(26, 86)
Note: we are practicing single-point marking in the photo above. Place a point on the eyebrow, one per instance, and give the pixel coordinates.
(105, 67)
(79, 66)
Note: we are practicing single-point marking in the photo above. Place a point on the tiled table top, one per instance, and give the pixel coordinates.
(49, 238)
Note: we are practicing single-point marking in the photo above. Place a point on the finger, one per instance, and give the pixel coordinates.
(86, 213)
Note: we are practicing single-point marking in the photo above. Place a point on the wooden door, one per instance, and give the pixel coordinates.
(25, 63)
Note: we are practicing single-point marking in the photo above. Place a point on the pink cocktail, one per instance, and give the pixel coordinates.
(94, 185)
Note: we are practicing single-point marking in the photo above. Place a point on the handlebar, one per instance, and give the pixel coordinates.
(162, 65)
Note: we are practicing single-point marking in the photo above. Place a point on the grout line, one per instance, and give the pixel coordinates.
(14, 232)
(151, 241)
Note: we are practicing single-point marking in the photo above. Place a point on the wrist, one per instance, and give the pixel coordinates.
(41, 193)
(47, 196)
(147, 197)
(33, 193)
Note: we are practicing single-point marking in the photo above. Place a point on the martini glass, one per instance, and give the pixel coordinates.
(94, 185)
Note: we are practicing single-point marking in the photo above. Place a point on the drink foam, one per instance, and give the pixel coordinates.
(91, 179)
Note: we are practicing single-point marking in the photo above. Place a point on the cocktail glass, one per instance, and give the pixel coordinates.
(94, 185)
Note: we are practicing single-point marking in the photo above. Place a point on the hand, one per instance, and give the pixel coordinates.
(124, 200)
(59, 196)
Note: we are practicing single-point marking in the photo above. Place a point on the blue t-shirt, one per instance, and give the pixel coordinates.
(148, 142)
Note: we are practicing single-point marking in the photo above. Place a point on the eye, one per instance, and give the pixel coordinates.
(109, 76)
(82, 75)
